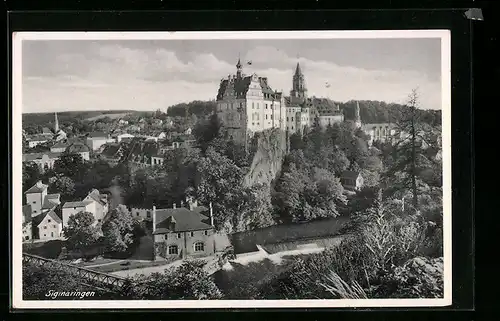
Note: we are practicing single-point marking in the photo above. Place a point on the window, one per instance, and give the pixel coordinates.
(173, 249)
(178, 235)
(206, 232)
(192, 234)
(257, 105)
(148, 214)
(137, 213)
(266, 105)
(266, 116)
(287, 119)
(292, 118)
(54, 226)
(48, 220)
(271, 116)
(34, 211)
(199, 247)
(98, 221)
(34, 202)
(45, 227)
(45, 235)
(252, 105)
(74, 208)
(52, 234)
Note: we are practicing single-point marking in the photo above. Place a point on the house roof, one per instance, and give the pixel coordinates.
(78, 148)
(110, 150)
(51, 201)
(34, 156)
(350, 174)
(37, 188)
(46, 130)
(61, 144)
(97, 196)
(76, 204)
(185, 219)
(52, 215)
(98, 135)
(39, 138)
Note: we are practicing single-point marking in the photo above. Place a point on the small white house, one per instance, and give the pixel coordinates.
(71, 208)
(50, 227)
(122, 136)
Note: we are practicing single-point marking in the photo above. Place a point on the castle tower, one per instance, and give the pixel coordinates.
(239, 69)
(357, 117)
(298, 85)
(56, 124)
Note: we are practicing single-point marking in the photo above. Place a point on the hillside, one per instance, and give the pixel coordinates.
(44, 119)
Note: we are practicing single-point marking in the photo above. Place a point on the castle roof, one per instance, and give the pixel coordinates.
(241, 86)
(185, 220)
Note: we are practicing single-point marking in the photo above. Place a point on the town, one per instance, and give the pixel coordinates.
(254, 174)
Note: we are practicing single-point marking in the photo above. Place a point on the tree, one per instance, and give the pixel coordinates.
(186, 282)
(81, 232)
(31, 174)
(118, 229)
(206, 131)
(71, 165)
(408, 159)
(63, 185)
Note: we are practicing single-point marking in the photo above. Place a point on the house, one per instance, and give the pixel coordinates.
(37, 140)
(122, 136)
(162, 135)
(188, 131)
(101, 206)
(45, 161)
(380, 132)
(352, 180)
(123, 122)
(71, 208)
(27, 225)
(183, 232)
(80, 149)
(49, 226)
(94, 203)
(39, 200)
(60, 146)
(96, 139)
(112, 153)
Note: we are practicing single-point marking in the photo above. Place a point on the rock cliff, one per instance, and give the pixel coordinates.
(268, 158)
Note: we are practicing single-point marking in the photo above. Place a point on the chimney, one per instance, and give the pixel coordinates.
(154, 219)
(174, 206)
(211, 214)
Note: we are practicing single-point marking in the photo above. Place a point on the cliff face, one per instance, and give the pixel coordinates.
(268, 159)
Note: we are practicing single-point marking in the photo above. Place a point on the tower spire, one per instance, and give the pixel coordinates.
(239, 67)
(357, 117)
(56, 123)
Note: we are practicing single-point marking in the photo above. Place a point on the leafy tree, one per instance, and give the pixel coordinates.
(81, 231)
(31, 174)
(71, 165)
(118, 229)
(206, 131)
(186, 282)
(63, 185)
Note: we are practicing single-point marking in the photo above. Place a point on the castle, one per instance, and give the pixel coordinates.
(248, 104)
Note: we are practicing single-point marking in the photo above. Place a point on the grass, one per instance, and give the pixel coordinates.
(126, 265)
(49, 249)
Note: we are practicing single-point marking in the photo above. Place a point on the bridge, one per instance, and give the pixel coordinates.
(95, 278)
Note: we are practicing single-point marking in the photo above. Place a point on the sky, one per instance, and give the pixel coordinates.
(67, 75)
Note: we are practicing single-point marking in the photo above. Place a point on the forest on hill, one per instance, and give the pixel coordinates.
(45, 119)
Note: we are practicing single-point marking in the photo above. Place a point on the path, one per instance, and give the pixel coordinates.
(147, 270)
(103, 264)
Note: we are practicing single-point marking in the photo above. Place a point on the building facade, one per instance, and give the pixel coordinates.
(183, 232)
(96, 140)
(248, 104)
(50, 227)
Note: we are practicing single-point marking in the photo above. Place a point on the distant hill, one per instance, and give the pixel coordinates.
(372, 111)
(47, 119)
(197, 107)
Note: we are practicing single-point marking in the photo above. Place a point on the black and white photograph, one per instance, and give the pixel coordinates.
(231, 169)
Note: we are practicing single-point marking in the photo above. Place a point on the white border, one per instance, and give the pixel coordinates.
(19, 303)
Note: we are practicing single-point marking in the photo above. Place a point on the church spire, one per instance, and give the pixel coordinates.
(357, 117)
(56, 123)
(299, 89)
(239, 67)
